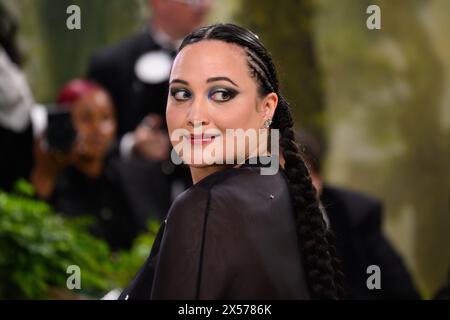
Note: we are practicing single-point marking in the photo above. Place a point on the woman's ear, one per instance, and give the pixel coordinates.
(269, 105)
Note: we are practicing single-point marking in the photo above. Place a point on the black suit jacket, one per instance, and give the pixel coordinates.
(114, 69)
(16, 159)
(356, 220)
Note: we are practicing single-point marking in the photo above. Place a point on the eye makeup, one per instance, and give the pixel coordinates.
(216, 94)
(222, 94)
(180, 94)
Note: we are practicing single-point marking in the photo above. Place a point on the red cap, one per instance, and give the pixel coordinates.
(74, 90)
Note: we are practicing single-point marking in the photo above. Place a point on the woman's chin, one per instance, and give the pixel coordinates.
(202, 164)
(201, 161)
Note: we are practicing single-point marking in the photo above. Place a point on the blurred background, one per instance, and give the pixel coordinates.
(378, 99)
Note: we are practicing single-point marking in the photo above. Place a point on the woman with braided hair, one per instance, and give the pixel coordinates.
(237, 233)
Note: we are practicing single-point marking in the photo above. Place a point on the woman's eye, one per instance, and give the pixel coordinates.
(222, 95)
(180, 94)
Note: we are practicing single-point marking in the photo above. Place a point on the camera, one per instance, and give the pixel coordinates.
(61, 133)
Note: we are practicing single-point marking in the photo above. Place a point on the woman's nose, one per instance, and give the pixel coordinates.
(96, 127)
(198, 114)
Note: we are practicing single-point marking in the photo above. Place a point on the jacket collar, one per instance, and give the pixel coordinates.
(264, 161)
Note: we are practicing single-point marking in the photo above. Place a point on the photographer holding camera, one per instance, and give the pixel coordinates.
(136, 72)
(75, 170)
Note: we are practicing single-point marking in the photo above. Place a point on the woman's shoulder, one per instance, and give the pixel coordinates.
(246, 185)
(233, 190)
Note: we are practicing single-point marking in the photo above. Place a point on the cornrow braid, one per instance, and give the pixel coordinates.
(322, 268)
(259, 70)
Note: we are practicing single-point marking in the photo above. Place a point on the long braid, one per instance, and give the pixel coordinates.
(319, 256)
(324, 277)
(337, 265)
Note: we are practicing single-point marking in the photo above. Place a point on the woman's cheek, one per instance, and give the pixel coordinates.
(173, 119)
(108, 128)
(226, 120)
(169, 118)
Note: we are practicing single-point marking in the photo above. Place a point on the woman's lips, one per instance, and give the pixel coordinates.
(201, 139)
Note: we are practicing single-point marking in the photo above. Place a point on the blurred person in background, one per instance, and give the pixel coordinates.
(136, 73)
(444, 292)
(16, 101)
(8, 32)
(356, 220)
(75, 170)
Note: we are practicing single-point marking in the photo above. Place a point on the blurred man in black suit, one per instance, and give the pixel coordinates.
(136, 73)
(356, 220)
(16, 101)
(444, 292)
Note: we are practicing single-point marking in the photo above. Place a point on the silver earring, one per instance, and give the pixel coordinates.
(267, 123)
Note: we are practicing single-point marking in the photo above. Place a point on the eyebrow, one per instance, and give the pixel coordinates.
(179, 81)
(207, 81)
(221, 79)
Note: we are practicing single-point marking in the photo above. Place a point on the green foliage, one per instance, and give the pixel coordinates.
(127, 263)
(37, 245)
